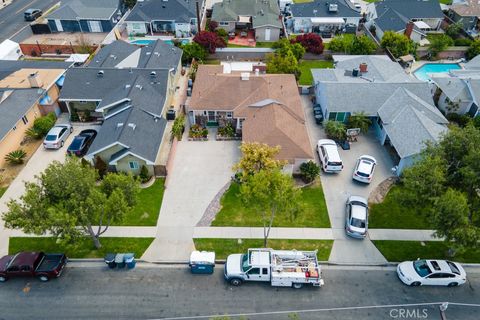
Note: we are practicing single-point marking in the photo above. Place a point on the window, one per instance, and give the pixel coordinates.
(223, 23)
(13, 269)
(14, 128)
(25, 119)
(254, 271)
(25, 268)
(229, 115)
(133, 165)
(264, 270)
(332, 116)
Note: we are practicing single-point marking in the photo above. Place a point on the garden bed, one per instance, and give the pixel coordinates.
(223, 138)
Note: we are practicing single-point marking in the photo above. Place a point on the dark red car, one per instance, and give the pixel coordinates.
(32, 264)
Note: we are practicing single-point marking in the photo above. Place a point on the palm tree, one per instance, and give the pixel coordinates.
(336, 130)
(359, 120)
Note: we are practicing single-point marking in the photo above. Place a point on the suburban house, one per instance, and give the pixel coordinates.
(261, 17)
(85, 16)
(411, 17)
(400, 107)
(324, 16)
(26, 94)
(176, 18)
(263, 108)
(467, 13)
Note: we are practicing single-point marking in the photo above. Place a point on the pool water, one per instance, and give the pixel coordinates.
(422, 72)
(145, 42)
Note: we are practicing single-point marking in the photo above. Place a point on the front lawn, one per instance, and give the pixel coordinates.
(84, 247)
(224, 247)
(147, 209)
(305, 66)
(397, 251)
(234, 213)
(391, 214)
(261, 44)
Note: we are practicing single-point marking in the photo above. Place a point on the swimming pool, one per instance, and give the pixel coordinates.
(145, 42)
(422, 72)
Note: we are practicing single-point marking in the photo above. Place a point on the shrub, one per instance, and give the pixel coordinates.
(178, 127)
(439, 43)
(309, 171)
(85, 163)
(463, 42)
(336, 130)
(16, 157)
(212, 25)
(197, 131)
(144, 175)
(41, 126)
(460, 119)
(311, 42)
(474, 49)
(222, 33)
(210, 41)
(476, 122)
(227, 131)
(359, 120)
(193, 51)
(101, 166)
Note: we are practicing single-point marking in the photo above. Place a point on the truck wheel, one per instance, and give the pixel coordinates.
(43, 278)
(297, 285)
(3, 279)
(235, 282)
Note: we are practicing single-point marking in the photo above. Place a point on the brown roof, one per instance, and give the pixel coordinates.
(468, 8)
(270, 104)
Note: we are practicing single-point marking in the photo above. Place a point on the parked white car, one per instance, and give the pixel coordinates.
(431, 272)
(329, 156)
(356, 217)
(57, 136)
(364, 169)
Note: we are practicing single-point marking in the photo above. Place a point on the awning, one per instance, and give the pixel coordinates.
(60, 81)
(244, 19)
(327, 20)
(407, 58)
(422, 25)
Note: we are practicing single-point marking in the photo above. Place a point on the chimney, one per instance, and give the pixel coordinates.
(35, 81)
(409, 29)
(363, 67)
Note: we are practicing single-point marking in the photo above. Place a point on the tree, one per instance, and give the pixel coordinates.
(336, 130)
(256, 157)
(398, 44)
(439, 43)
(340, 44)
(359, 120)
(473, 50)
(278, 63)
(271, 193)
(362, 45)
(312, 42)
(193, 51)
(212, 25)
(453, 30)
(144, 175)
(210, 41)
(130, 3)
(178, 127)
(66, 202)
(101, 166)
(284, 46)
(309, 170)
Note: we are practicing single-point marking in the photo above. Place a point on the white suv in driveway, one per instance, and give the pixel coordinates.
(329, 157)
(364, 169)
(57, 136)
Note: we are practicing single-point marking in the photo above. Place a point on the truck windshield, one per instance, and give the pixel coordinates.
(244, 263)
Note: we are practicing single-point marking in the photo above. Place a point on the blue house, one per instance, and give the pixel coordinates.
(86, 16)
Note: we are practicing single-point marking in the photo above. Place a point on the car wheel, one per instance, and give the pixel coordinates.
(297, 285)
(43, 278)
(61, 144)
(415, 284)
(3, 279)
(235, 282)
(452, 284)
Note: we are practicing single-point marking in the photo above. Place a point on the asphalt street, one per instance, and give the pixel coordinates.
(92, 291)
(11, 17)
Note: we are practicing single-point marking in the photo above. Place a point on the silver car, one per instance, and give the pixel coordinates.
(356, 217)
(57, 136)
(364, 169)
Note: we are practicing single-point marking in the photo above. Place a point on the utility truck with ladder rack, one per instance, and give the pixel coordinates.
(282, 268)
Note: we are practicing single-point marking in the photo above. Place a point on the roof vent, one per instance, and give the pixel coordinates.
(139, 87)
(148, 53)
(332, 7)
(245, 75)
(153, 74)
(100, 73)
(132, 125)
(120, 124)
(127, 86)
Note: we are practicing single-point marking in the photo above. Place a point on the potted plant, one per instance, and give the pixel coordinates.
(197, 133)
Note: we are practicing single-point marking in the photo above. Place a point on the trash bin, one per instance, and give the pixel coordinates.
(119, 260)
(171, 114)
(110, 260)
(202, 262)
(129, 260)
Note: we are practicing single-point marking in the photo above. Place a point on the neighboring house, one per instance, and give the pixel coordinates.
(396, 15)
(25, 94)
(262, 16)
(177, 18)
(85, 16)
(400, 107)
(263, 108)
(466, 12)
(323, 16)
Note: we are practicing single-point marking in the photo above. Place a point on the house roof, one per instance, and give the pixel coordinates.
(466, 8)
(120, 54)
(178, 10)
(87, 9)
(320, 8)
(454, 88)
(19, 78)
(410, 122)
(14, 104)
(474, 63)
(271, 99)
(263, 13)
(7, 67)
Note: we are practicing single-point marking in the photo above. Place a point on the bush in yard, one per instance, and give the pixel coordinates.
(474, 49)
(309, 170)
(16, 157)
(283, 47)
(312, 42)
(460, 119)
(193, 51)
(222, 33)
(255, 158)
(278, 63)
(212, 25)
(362, 45)
(101, 166)
(197, 131)
(453, 30)
(359, 120)
(439, 43)
(227, 131)
(41, 126)
(178, 127)
(339, 44)
(144, 175)
(398, 44)
(336, 130)
(210, 41)
(463, 42)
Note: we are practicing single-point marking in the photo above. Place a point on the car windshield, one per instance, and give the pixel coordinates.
(51, 137)
(357, 223)
(421, 267)
(244, 263)
(363, 174)
(76, 144)
(331, 163)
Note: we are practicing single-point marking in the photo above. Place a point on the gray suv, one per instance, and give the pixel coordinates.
(32, 14)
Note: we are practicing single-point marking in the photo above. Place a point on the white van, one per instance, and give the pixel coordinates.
(329, 157)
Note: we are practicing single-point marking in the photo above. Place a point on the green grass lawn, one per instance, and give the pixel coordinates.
(211, 61)
(234, 213)
(224, 247)
(233, 45)
(261, 44)
(147, 209)
(84, 248)
(2, 190)
(306, 77)
(390, 214)
(397, 251)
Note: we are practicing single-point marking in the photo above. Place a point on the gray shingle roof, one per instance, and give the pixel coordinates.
(473, 63)
(112, 54)
(178, 10)
(262, 13)
(319, 8)
(453, 87)
(90, 9)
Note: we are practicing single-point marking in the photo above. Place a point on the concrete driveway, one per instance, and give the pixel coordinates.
(338, 187)
(200, 170)
(36, 165)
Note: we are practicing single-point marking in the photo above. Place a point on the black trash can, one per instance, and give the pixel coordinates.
(110, 260)
(171, 114)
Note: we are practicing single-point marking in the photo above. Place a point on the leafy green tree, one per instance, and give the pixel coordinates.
(284, 46)
(66, 202)
(193, 50)
(309, 170)
(453, 30)
(398, 44)
(336, 130)
(256, 157)
(440, 43)
(474, 49)
(359, 120)
(271, 193)
(178, 127)
(340, 44)
(283, 63)
(362, 45)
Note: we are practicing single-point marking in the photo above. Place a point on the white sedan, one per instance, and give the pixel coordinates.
(57, 136)
(432, 273)
(364, 169)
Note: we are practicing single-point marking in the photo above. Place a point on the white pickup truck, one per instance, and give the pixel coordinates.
(283, 268)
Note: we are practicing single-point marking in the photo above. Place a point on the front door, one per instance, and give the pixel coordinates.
(258, 274)
(267, 34)
(473, 110)
(211, 116)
